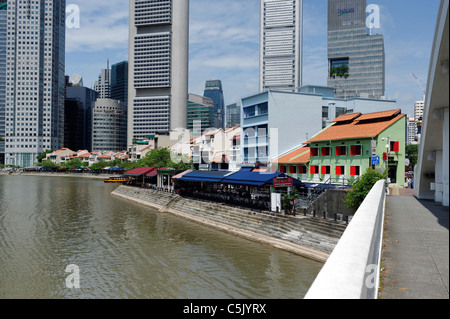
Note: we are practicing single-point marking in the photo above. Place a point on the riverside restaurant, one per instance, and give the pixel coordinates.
(246, 187)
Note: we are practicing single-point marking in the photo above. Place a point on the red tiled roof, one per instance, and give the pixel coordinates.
(360, 128)
(346, 117)
(300, 155)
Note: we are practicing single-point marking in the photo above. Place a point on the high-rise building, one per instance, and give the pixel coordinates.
(119, 81)
(201, 109)
(103, 85)
(418, 110)
(109, 129)
(81, 100)
(35, 79)
(356, 58)
(158, 66)
(281, 28)
(214, 91)
(233, 115)
(3, 42)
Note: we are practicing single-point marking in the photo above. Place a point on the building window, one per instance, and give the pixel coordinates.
(395, 146)
(302, 169)
(340, 170)
(282, 169)
(355, 170)
(341, 150)
(326, 170)
(314, 152)
(356, 150)
(314, 170)
(292, 169)
(325, 151)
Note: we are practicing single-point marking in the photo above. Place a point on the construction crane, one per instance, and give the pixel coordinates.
(418, 82)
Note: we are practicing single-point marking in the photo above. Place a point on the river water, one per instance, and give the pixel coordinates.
(125, 250)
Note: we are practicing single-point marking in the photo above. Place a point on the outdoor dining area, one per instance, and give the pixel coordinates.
(246, 188)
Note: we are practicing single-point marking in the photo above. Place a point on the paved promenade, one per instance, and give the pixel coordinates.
(416, 248)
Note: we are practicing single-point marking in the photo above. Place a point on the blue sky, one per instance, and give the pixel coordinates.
(224, 44)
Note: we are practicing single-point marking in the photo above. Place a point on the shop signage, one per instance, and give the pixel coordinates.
(283, 182)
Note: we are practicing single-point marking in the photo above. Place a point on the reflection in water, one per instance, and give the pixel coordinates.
(125, 250)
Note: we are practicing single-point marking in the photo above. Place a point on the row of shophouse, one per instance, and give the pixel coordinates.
(65, 155)
(337, 154)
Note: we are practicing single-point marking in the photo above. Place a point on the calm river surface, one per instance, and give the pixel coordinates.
(124, 250)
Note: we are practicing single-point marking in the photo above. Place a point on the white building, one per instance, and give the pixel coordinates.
(411, 131)
(432, 170)
(281, 45)
(158, 66)
(35, 79)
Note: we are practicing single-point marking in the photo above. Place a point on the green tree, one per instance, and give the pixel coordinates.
(289, 199)
(362, 186)
(161, 157)
(412, 152)
(75, 163)
(42, 156)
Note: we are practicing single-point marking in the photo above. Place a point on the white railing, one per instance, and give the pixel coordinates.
(353, 269)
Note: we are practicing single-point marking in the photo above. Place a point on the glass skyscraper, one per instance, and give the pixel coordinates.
(281, 39)
(213, 90)
(119, 81)
(35, 79)
(356, 58)
(3, 37)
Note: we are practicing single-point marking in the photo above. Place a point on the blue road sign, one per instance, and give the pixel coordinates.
(375, 160)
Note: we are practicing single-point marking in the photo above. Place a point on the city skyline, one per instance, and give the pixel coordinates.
(235, 58)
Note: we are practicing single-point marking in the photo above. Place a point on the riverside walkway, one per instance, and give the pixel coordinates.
(415, 256)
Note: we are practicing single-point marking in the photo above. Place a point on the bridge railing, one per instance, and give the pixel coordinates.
(353, 269)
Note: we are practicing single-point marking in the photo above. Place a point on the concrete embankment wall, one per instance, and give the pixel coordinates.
(305, 236)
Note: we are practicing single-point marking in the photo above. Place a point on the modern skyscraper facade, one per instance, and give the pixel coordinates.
(119, 81)
(103, 85)
(201, 109)
(356, 58)
(3, 42)
(85, 99)
(233, 115)
(109, 129)
(158, 66)
(214, 91)
(281, 28)
(35, 79)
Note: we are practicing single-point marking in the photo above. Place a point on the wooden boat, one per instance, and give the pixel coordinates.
(116, 179)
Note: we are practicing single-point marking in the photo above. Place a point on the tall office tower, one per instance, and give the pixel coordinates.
(3, 38)
(356, 58)
(103, 85)
(233, 115)
(158, 66)
(109, 128)
(201, 109)
(81, 100)
(35, 79)
(281, 37)
(119, 81)
(213, 90)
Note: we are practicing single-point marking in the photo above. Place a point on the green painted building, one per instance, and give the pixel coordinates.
(349, 146)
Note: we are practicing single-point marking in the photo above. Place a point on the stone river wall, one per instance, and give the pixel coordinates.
(309, 237)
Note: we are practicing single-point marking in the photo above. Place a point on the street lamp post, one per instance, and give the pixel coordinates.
(388, 150)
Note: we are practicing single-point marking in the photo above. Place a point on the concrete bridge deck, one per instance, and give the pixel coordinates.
(415, 255)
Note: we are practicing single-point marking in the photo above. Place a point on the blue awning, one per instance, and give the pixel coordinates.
(204, 176)
(254, 178)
